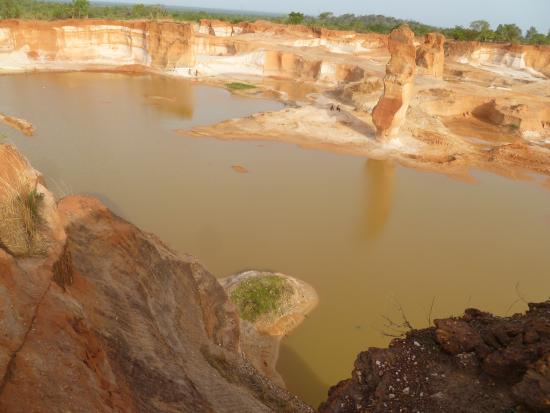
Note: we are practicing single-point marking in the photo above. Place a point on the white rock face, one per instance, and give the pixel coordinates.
(103, 45)
(249, 64)
(503, 62)
(26, 46)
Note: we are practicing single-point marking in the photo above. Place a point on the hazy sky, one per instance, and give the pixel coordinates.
(525, 13)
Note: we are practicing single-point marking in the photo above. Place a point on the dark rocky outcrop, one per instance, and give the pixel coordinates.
(475, 363)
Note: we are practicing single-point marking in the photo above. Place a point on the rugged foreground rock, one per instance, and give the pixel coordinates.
(106, 318)
(475, 363)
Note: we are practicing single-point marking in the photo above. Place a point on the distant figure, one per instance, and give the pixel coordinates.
(332, 107)
(338, 108)
(190, 72)
(196, 72)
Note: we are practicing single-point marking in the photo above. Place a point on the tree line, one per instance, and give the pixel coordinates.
(49, 10)
(479, 30)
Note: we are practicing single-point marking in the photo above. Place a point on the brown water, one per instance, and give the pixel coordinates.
(366, 234)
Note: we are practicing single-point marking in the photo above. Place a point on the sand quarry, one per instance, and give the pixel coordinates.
(463, 106)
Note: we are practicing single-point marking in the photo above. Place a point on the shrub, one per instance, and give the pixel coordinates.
(295, 18)
(20, 218)
(239, 86)
(9, 9)
(259, 296)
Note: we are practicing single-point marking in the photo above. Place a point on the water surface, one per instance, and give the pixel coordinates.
(368, 235)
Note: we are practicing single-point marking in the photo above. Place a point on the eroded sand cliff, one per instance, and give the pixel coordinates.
(97, 44)
(480, 106)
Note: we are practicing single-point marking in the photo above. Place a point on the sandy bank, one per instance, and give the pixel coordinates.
(20, 124)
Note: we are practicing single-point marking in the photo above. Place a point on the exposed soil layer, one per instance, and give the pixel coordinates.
(475, 363)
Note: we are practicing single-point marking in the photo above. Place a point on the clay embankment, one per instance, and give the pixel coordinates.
(98, 316)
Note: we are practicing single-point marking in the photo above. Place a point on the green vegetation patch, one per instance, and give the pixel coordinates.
(258, 296)
(239, 86)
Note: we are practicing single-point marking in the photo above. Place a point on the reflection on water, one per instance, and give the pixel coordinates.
(380, 187)
(289, 88)
(173, 97)
(304, 213)
(301, 373)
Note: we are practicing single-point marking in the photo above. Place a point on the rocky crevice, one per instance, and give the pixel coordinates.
(11, 365)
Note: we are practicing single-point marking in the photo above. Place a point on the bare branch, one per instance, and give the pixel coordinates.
(431, 311)
(520, 299)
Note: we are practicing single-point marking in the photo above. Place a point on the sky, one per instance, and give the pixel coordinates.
(445, 13)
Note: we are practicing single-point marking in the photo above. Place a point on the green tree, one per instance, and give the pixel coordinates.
(295, 18)
(532, 32)
(139, 11)
(508, 33)
(326, 15)
(534, 37)
(9, 9)
(157, 12)
(62, 11)
(80, 8)
(460, 33)
(483, 30)
(480, 26)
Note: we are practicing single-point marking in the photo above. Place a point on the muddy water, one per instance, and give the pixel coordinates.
(369, 235)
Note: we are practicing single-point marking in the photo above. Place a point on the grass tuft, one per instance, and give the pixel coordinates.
(258, 296)
(239, 86)
(20, 218)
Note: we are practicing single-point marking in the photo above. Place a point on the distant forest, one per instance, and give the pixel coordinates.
(478, 30)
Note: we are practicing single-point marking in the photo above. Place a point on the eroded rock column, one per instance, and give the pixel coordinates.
(431, 55)
(390, 112)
